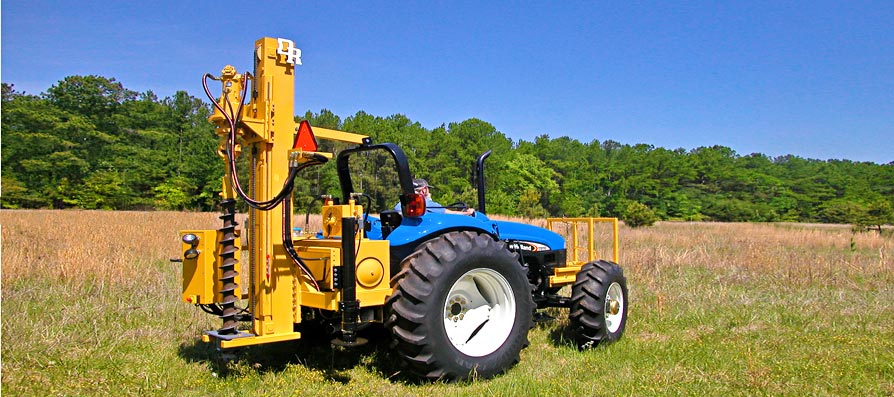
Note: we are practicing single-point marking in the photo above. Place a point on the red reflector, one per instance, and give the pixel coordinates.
(414, 206)
(305, 139)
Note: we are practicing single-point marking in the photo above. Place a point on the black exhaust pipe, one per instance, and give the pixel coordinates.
(479, 174)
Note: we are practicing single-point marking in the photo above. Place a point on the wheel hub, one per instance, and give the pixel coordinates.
(613, 306)
(457, 308)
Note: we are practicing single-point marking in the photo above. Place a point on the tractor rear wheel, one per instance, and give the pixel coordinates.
(598, 304)
(461, 308)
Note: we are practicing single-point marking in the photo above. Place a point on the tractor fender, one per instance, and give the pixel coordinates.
(433, 224)
(415, 231)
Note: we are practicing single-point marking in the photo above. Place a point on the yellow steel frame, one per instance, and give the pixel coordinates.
(268, 131)
(567, 274)
(341, 136)
(372, 263)
(266, 134)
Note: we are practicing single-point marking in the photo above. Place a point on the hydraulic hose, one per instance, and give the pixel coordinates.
(233, 119)
(290, 248)
(287, 224)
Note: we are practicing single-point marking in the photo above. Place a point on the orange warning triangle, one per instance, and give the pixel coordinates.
(305, 139)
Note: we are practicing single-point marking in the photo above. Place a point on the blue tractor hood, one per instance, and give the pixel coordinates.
(523, 232)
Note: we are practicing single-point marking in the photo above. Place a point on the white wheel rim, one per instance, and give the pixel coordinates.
(614, 307)
(479, 312)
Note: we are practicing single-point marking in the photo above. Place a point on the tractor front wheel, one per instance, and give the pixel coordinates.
(598, 304)
(461, 308)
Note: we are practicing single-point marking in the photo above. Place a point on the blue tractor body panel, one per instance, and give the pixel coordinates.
(413, 230)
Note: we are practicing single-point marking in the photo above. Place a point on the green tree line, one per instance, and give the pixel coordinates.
(88, 142)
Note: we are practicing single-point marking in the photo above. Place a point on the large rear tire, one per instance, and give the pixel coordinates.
(599, 304)
(461, 308)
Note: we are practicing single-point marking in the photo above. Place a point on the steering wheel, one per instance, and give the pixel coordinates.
(458, 206)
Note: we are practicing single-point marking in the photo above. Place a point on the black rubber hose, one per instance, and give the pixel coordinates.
(234, 119)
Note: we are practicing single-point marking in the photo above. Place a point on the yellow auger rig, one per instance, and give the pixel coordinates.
(458, 293)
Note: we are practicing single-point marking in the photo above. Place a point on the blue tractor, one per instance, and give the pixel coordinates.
(468, 288)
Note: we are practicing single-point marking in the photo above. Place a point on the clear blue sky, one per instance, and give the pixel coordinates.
(812, 78)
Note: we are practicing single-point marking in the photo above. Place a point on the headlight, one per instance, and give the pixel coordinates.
(191, 239)
(191, 253)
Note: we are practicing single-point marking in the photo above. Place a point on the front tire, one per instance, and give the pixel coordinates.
(461, 308)
(598, 304)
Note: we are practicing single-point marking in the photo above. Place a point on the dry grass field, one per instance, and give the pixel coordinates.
(90, 306)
